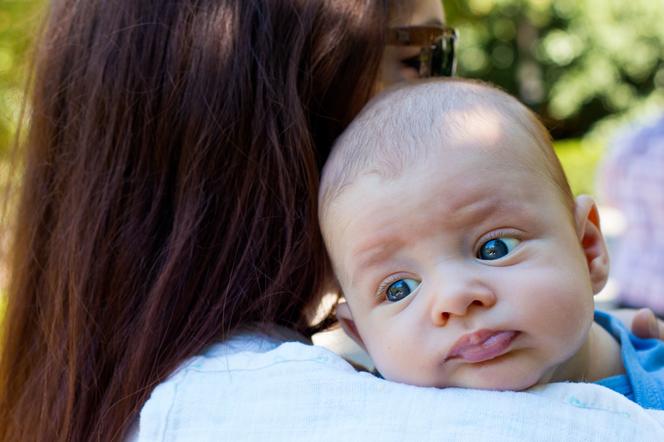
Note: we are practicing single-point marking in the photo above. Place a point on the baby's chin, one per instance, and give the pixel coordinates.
(499, 380)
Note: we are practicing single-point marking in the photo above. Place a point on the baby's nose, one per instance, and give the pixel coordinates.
(458, 298)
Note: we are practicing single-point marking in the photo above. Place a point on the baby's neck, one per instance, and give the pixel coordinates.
(598, 358)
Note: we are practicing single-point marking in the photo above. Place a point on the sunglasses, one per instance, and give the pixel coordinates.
(437, 57)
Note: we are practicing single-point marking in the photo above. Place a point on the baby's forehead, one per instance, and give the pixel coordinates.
(429, 115)
(408, 125)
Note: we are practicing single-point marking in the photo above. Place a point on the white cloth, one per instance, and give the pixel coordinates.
(254, 388)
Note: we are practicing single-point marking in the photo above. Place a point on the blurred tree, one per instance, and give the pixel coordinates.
(573, 61)
(19, 20)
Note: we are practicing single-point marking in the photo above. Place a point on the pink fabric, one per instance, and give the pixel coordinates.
(633, 182)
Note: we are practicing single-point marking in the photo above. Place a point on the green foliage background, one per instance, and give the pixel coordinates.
(576, 62)
(19, 22)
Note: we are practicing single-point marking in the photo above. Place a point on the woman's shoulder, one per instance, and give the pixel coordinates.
(245, 356)
(253, 387)
(229, 376)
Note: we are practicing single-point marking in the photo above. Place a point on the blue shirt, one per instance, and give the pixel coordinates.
(643, 359)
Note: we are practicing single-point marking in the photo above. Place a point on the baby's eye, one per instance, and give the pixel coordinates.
(497, 248)
(400, 289)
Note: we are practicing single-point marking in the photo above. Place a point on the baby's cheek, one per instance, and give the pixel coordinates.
(388, 355)
(408, 370)
(398, 359)
(565, 324)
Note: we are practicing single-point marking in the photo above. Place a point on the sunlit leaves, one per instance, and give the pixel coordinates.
(19, 21)
(567, 58)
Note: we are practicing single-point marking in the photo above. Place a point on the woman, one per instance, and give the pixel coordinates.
(169, 196)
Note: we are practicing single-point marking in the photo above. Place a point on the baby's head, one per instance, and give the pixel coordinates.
(462, 255)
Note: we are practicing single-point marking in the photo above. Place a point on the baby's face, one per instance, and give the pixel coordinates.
(466, 269)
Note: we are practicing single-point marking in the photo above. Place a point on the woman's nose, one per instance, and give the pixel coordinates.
(458, 297)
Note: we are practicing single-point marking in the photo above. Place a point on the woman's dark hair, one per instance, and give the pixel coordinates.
(169, 193)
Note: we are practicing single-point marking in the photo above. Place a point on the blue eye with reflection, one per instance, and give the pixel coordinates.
(400, 289)
(496, 248)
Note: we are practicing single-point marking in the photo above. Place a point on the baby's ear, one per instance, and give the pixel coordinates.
(592, 241)
(345, 318)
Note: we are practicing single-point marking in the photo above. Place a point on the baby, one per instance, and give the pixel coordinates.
(463, 257)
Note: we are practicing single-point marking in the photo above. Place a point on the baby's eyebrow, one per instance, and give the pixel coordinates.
(371, 253)
(466, 211)
(465, 208)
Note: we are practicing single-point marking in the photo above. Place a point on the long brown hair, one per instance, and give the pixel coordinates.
(169, 193)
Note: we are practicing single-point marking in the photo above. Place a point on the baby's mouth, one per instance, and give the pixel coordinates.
(482, 345)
